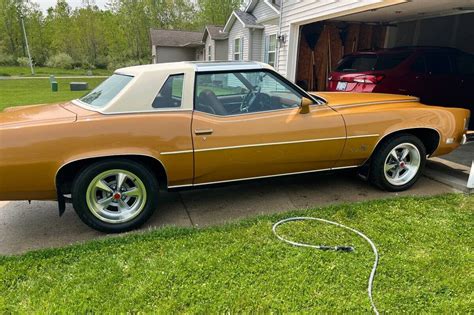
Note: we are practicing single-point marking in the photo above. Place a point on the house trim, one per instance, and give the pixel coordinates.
(231, 21)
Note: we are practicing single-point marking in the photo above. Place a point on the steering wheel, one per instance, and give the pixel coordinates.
(248, 101)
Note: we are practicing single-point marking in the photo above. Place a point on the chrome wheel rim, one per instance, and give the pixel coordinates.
(402, 164)
(116, 196)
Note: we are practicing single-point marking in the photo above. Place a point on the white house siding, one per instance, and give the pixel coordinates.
(238, 30)
(263, 11)
(221, 49)
(209, 42)
(300, 12)
(153, 54)
(256, 44)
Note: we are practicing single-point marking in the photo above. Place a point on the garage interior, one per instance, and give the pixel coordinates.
(448, 23)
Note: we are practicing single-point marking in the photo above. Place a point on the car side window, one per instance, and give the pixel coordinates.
(438, 64)
(235, 93)
(464, 64)
(419, 65)
(171, 93)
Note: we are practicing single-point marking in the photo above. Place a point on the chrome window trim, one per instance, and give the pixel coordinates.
(148, 111)
(261, 112)
(268, 144)
(263, 176)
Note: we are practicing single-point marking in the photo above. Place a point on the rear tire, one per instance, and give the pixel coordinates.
(398, 163)
(115, 196)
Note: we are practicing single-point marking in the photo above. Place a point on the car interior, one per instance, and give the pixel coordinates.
(239, 93)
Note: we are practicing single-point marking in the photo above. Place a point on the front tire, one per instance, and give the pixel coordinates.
(114, 196)
(398, 163)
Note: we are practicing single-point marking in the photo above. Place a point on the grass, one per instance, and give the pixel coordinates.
(426, 266)
(46, 71)
(38, 91)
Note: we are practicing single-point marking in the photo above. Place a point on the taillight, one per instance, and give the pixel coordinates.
(369, 78)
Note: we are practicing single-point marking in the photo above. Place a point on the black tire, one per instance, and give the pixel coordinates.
(87, 176)
(377, 165)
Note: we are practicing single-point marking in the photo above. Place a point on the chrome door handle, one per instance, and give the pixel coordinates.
(203, 131)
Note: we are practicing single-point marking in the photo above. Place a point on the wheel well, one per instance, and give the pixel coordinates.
(67, 173)
(429, 137)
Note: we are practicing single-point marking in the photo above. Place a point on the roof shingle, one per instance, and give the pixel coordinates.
(175, 38)
(216, 32)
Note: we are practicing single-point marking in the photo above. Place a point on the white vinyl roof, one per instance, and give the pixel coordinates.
(138, 95)
(198, 66)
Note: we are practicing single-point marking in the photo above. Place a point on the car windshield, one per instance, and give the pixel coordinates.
(371, 62)
(107, 90)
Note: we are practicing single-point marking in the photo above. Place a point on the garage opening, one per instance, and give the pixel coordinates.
(322, 45)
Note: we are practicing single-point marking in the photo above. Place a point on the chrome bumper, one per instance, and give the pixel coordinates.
(467, 137)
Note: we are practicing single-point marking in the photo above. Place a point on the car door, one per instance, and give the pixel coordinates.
(268, 136)
(440, 82)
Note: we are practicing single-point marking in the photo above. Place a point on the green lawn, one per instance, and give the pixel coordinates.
(38, 91)
(46, 71)
(426, 266)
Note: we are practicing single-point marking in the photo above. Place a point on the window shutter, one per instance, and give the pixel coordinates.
(266, 47)
(241, 49)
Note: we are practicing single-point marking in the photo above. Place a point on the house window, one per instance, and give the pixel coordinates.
(238, 45)
(270, 47)
(209, 53)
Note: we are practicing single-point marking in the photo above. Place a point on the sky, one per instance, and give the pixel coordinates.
(45, 4)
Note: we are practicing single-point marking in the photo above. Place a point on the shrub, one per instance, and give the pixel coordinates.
(23, 61)
(7, 60)
(61, 60)
(101, 62)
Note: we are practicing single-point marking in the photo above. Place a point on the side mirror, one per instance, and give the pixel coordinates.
(305, 104)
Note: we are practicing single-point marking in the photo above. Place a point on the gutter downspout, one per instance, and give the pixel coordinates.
(279, 37)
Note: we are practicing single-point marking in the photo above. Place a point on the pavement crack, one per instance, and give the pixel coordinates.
(186, 209)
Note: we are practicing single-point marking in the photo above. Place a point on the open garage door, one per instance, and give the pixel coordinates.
(447, 23)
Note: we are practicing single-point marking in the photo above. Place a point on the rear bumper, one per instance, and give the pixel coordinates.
(468, 137)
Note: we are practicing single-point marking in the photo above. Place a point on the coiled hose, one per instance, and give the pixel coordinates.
(334, 248)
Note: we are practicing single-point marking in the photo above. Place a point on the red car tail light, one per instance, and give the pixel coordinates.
(369, 78)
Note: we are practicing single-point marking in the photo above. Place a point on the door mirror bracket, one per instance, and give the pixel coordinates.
(305, 104)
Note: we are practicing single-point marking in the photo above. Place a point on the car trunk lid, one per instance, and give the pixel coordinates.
(35, 114)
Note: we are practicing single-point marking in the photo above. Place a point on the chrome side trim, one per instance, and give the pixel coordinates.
(415, 99)
(268, 144)
(176, 152)
(264, 176)
(390, 133)
(104, 156)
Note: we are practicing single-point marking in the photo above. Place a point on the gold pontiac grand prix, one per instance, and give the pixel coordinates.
(191, 124)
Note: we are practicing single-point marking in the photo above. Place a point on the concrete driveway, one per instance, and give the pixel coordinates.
(25, 227)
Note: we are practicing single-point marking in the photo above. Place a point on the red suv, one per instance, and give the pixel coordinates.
(437, 75)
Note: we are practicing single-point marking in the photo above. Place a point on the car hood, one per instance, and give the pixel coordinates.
(343, 99)
(35, 115)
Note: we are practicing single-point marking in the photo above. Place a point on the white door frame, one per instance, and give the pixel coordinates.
(293, 34)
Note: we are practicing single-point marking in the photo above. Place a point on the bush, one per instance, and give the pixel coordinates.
(23, 61)
(7, 60)
(60, 60)
(101, 62)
